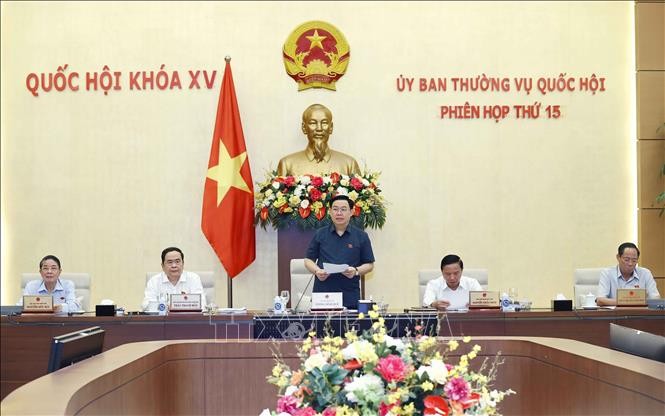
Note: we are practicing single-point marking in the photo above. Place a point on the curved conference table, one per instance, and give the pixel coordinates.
(221, 377)
(26, 339)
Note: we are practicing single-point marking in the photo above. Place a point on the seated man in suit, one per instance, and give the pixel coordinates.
(451, 290)
(173, 279)
(627, 274)
(63, 291)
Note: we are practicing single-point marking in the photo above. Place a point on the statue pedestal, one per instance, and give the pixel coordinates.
(292, 243)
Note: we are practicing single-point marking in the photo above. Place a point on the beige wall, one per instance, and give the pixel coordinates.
(106, 182)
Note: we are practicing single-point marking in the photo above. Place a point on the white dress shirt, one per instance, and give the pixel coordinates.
(437, 289)
(611, 280)
(189, 283)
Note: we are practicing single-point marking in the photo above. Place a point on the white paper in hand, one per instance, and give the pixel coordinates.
(331, 268)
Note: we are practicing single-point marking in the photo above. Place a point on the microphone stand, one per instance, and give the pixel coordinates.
(295, 309)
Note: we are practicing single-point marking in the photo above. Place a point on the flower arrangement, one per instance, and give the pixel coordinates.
(375, 374)
(304, 200)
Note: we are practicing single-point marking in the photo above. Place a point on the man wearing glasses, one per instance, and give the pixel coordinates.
(63, 291)
(340, 243)
(626, 275)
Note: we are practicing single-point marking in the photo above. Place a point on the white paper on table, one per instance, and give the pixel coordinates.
(331, 268)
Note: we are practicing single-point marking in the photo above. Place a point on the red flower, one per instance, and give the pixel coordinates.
(321, 213)
(304, 212)
(335, 177)
(289, 181)
(314, 194)
(329, 411)
(356, 183)
(435, 405)
(391, 368)
(317, 181)
(305, 411)
(352, 365)
(385, 408)
(264, 213)
(356, 210)
(470, 400)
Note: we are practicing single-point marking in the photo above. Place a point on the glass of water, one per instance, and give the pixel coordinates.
(285, 295)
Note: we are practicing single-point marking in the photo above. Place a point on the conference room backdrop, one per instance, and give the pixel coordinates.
(105, 179)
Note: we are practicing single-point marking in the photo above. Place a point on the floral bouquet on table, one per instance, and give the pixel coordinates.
(375, 374)
(303, 200)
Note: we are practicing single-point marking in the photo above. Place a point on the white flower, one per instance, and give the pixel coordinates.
(361, 350)
(315, 361)
(290, 390)
(353, 195)
(368, 385)
(304, 203)
(342, 191)
(436, 371)
(304, 180)
(365, 182)
(327, 180)
(299, 190)
(275, 185)
(392, 342)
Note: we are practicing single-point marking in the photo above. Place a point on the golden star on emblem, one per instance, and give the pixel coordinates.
(227, 172)
(316, 40)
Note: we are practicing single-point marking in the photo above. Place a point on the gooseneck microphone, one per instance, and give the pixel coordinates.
(295, 309)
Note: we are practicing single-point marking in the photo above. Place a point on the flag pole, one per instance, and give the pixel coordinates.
(229, 280)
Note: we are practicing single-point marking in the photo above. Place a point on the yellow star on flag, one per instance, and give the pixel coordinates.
(316, 40)
(227, 172)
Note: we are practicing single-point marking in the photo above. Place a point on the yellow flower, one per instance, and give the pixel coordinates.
(276, 371)
(373, 314)
(279, 202)
(294, 200)
(466, 339)
(427, 386)
(361, 315)
(476, 348)
(453, 345)
(472, 355)
(351, 336)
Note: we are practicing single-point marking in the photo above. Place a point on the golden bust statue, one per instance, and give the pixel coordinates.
(317, 158)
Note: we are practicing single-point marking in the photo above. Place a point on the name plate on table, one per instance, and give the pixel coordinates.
(38, 304)
(326, 301)
(185, 303)
(484, 300)
(631, 297)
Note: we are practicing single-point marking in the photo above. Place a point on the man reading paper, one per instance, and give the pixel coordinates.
(451, 290)
(340, 243)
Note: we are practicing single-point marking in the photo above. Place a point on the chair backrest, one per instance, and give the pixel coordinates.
(81, 283)
(585, 281)
(426, 275)
(301, 285)
(207, 280)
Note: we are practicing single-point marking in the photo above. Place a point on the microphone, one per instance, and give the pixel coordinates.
(295, 309)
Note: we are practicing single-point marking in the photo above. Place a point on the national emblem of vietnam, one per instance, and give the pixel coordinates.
(316, 55)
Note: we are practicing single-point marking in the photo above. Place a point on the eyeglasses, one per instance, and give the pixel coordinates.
(52, 269)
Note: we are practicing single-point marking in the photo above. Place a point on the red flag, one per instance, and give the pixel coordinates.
(227, 218)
